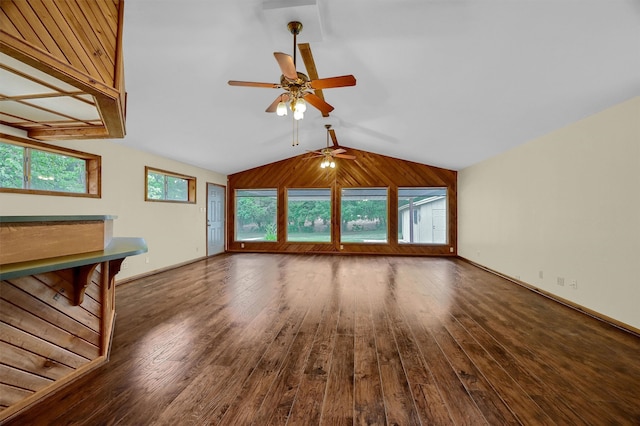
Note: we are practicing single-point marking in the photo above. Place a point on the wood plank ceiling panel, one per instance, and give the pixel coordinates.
(77, 43)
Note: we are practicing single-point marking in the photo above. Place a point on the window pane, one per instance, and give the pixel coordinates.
(155, 186)
(422, 215)
(56, 172)
(256, 215)
(309, 215)
(177, 189)
(363, 212)
(11, 166)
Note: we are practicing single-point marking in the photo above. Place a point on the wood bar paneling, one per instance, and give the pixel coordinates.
(44, 338)
(53, 239)
(367, 170)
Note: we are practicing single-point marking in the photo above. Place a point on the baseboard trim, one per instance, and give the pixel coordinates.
(167, 268)
(597, 315)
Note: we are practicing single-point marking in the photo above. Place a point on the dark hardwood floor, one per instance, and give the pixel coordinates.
(312, 339)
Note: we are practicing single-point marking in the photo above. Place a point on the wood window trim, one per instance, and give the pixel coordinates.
(191, 185)
(93, 168)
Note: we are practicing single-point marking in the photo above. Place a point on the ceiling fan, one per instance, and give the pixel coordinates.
(328, 153)
(297, 86)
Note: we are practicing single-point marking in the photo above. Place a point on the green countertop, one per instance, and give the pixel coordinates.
(118, 248)
(54, 218)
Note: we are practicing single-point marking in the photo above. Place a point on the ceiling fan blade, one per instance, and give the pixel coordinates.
(310, 65)
(324, 107)
(254, 84)
(338, 151)
(286, 65)
(332, 133)
(307, 58)
(274, 105)
(327, 83)
(345, 156)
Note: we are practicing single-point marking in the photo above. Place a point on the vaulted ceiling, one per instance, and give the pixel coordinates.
(445, 83)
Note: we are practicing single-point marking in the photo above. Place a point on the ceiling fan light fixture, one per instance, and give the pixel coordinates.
(298, 115)
(332, 164)
(301, 105)
(282, 109)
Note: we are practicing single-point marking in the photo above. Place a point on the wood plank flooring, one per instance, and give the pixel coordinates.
(271, 339)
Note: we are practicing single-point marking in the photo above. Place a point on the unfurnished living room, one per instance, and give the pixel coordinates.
(313, 212)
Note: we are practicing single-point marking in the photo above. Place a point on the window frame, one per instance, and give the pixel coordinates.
(93, 168)
(364, 188)
(236, 222)
(191, 186)
(331, 219)
(417, 215)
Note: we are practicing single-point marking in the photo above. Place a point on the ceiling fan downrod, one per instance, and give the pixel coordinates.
(294, 28)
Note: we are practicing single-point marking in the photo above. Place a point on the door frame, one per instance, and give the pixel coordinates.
(206, 219)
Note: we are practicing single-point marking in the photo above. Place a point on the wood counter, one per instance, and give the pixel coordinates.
(56, 311)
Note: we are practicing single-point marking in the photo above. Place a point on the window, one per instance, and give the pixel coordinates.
(162, 185)
(256, 215)
(309, 215)
(363, 215)
(422, 215)
(37, 168)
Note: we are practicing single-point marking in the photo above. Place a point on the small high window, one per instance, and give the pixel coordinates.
(256, 215)
(422, 215)
(37, 168)
(162, 185)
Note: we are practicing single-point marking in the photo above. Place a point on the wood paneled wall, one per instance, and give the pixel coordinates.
(45, 341)
(367, 170)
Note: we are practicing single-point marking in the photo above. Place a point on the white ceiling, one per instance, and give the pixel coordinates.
(446, 83)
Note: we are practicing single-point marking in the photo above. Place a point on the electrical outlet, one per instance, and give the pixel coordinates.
(540, 274)
(146, 259)
(125, 265)
(560, 281)
(241, 245)
(574, 284)
(341, 247)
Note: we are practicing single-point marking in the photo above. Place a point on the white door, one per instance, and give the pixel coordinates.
(439, 226)
(215, 219)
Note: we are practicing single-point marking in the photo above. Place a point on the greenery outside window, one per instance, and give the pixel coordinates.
(256, 214)
(422, 215)
(162, 185)
(37, 168)
(309, 215)
(363, 214)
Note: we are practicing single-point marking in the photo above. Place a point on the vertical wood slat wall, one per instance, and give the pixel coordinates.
(367, 170)
(45, 341)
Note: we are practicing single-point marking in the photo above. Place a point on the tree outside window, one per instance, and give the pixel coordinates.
(363, 214)
(309, 215)
(256, 215)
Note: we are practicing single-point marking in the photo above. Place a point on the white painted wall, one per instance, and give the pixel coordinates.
(174, 232)
(566, 204)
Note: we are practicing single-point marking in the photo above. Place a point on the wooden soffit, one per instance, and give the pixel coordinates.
(61, 68)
